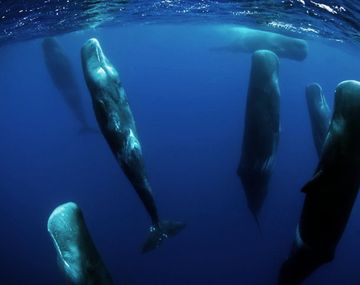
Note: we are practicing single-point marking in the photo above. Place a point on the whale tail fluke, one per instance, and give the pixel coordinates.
(160, 233)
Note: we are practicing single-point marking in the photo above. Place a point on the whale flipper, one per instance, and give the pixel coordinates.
(160, 233)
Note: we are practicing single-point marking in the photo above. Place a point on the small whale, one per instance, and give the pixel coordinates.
(117, 124)
(332, 191)
(77, 255)
(261, 130)
(61, 72)
(320, 115)
(243, 39)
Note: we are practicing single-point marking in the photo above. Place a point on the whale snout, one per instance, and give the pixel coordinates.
(91, 51)
(347, 100)
(64, 220)
(299, 49)
(313, 92)
(49, 43)
(96, 66)
(77, 254)
(93, 42)
(265, 62)
(92, 45)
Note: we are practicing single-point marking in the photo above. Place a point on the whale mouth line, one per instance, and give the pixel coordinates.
(56, 217)
(96, 51)
(59, 251)
(99, 55)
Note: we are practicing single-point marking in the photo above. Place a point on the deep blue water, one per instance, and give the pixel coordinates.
(188, 103)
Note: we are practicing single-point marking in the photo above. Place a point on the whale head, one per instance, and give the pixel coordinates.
(265, 66)
(314, 95)
(347, 101)
(345, 123)
(297, 49)
(64, 227)
(77, 256)
(98, 71)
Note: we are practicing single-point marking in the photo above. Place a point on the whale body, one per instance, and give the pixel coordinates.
(261, 130)
(117, 125)
(63, 77)
(331, 193)
(241, 39)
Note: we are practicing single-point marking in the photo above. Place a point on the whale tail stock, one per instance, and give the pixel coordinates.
(256, 217)
(161, 232)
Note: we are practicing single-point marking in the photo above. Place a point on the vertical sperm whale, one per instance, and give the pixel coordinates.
(319, 113)
(61, 72)
(117, 124)
(331, 193)
(262, 127)
(77, 256)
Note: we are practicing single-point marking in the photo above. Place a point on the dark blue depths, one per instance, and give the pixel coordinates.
(188, 104)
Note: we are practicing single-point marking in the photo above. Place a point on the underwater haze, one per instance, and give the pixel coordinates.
(188, 101)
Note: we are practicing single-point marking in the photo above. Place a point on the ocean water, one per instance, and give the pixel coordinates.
(189, 105)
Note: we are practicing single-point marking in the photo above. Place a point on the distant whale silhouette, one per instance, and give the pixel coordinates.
(261, 130)
(118, 127)
(62, 74)
(77, 256)
(319, 114)
(243, 39)
(331, 193)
